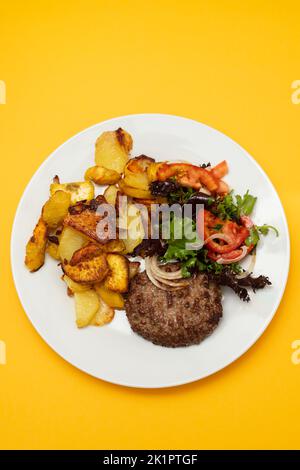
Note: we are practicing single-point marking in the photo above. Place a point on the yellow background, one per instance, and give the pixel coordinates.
(69, 64)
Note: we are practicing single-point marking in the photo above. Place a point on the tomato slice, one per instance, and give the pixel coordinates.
(220, 170)
(236, 234)
(228, 256)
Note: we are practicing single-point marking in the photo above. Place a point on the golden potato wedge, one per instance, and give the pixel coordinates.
(112, 299)
(56, 208)
(89, 270)
(138, 181)
(136, 172)
(70, 241)
(74, 286)
(112, 148)
(104, 314)
(117, 278)
(86, 223)
(79, 191)
(134, 267)
(110, 194)
(86, 253)
(53, 250)
(134, 192)
(114, 246)
(36, 247)
(100, 175)
(139, 164)
(86, 306)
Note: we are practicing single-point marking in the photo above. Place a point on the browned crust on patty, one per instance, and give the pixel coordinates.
(173, 319)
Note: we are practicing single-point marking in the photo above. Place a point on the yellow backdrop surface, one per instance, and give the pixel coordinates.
(70, 64)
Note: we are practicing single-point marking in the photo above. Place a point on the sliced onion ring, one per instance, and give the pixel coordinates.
(151, 277)
(234, 260)
(172, 283)
(158, 272)
(160, 282)
(250, 268)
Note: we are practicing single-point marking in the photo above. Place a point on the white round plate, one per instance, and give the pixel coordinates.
(114, 353)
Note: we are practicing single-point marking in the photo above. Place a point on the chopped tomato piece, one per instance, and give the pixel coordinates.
(220, 170)
(188, 175)
(223, 187)
(236, 234)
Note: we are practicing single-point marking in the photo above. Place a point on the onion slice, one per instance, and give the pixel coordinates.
(162, 282)
(158, 272)
(234, 260)
(250, 268)
(151, 277)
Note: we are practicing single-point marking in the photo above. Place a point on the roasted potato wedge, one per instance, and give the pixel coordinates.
(118, 277)
(136, 172)
(85, 253)
(53, 250)
(110, 194)
(36, 246)
(104, 314)
(138, 181)
(79, 191)
(114, 246)
(90, 267)
(100, 175)
(112, 149)
(112, 299)
(86, 306)
(70, 241)
(134, 267)
(86, 223)
(74, 286)
(56, 208)
(134, 192)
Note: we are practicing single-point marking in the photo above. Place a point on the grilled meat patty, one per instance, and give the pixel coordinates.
(173, 318)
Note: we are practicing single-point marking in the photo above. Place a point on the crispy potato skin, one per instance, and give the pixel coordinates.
(124, 139)
(85, 253)
(87, 267)
(86, 222)
(100, 175)
(53, 250)
(112, 148)
(36, 247)
(135, 173)
(118, 278)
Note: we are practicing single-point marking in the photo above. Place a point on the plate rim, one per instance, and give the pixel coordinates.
(194, 378)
